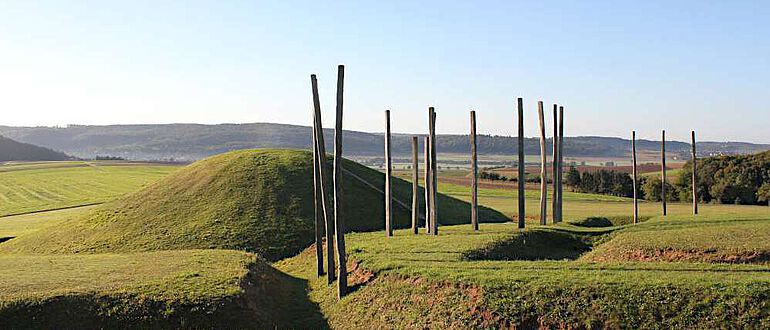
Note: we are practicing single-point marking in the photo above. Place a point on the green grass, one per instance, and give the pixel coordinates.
(584, 274)
(255, 200)
(734, 238)
(579, 206)
(25, 224)
(530, 293)
(165, 289)
(38, 186)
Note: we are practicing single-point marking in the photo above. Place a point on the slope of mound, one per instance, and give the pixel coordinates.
(730, 241)
(163, 289)
(254, 200)
(14, 150)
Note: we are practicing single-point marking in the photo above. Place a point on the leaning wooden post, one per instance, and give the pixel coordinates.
(543, 173)
(427, 184)
(342, 271)
(555, 167)
(522, 174)
(694, 178)
(663, 170)
(633, 159)
(415, 186)
(561, 163)
(317, 209)
(434, 173)
(388, 174)
(322, 179)
(474, 176)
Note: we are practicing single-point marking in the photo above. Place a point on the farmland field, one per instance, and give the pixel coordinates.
(38, 186)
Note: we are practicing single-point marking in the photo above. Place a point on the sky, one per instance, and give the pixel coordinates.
(615, 66)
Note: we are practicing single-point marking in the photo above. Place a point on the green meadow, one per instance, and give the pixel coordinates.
(39, 186)
(171, 247)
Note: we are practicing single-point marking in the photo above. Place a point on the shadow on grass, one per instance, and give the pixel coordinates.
(292, 308)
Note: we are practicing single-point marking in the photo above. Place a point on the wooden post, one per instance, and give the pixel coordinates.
(474, 176)
(522, 174)
(663, 170)
(415, 186)
(694, 177)
(543, 173)
(561, 164)
(322, 179)
(434, 173)
(633, 159)
(427, 184)
(342, 271)
(388, 174)
(317, 209)
(555, 167)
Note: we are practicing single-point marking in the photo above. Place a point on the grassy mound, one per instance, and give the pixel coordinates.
(255, 200)
(597, 222)
(681, 239)
(434, 286)
(164, 289)
(532, 245)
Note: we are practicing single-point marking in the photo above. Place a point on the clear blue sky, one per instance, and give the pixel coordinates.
(615, 65)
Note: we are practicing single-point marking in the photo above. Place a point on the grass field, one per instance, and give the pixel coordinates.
(38, 186)
(548, 293)
(164, 289)
(681, 271)
(25, 224)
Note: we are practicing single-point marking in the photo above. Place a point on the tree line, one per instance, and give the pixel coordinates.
(741, 179)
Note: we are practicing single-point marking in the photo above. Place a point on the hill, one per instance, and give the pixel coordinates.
(11, 150)
(194, 141)
(254, 200)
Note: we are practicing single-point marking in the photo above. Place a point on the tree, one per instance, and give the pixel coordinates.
(652, 191)
(763, 193)
(573, 177)
(728, 179)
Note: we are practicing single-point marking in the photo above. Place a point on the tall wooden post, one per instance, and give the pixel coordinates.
(415, 186)
(561, 164)
(427, 185)
(339, 219)
(522, 174)
(555, 166)
(474, 176)
(322, 179)
(434, 173)
(694, 177)
(317, 207)
(388, 174)
(543, 173)
(663, 170)
(633, 160)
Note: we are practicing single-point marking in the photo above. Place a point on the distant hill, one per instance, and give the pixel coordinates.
(11, 150)
(195, 141)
